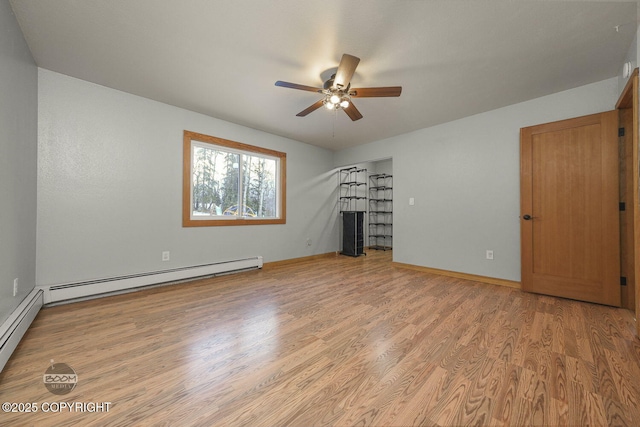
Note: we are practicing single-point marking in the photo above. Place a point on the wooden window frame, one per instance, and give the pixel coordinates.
(187, 221)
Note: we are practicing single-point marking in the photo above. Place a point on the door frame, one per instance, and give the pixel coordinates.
(627, 107)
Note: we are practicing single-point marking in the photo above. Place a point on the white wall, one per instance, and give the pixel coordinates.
(18, 133)
(464, 176)
(383, 166)
(632, 57)
(110, 188)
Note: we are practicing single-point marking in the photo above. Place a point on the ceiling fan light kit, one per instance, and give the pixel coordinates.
(335, 99)
(338, 93)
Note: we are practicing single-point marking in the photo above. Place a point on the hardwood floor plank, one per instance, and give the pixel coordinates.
(336, 341)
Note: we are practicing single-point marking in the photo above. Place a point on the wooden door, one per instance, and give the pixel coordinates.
(569, 209)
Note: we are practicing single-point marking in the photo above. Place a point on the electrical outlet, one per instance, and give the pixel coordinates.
(489, 254)
(308, 241)
(166, 256)
(15, 286)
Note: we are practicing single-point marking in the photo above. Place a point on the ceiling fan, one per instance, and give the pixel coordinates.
(337, 90)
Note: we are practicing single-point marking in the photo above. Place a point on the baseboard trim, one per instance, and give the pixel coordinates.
(466, 276)
(293, 261)
(12, 330)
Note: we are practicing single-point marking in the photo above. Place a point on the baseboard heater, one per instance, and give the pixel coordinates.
(94, 288)
(12, 330)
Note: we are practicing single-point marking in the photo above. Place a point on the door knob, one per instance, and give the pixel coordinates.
(527, 217)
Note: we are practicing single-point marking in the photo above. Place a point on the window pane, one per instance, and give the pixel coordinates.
(215, 182)
(259, 186)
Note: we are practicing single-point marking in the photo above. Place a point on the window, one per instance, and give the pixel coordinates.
(230, 183)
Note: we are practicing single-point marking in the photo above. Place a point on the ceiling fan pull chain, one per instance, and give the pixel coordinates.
(334, 124)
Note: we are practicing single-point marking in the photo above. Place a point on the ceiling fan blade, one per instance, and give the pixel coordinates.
(347, 67)
(373, 92)
(310, 109)
(353, 112)
(297, 86)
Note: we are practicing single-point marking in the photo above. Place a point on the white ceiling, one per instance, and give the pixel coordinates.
(222, 58)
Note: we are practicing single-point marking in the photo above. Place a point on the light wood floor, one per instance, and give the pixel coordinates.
(338, 342)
